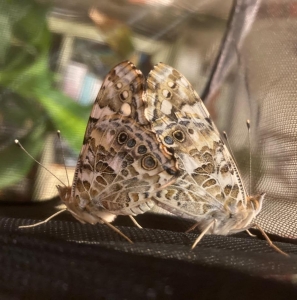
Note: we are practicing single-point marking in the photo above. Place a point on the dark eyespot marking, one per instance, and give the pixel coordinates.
(190, 130)
(132, 89)
(179, 135)
(131, 143)
(112, 132)
(168, 140)
(124, 95)
(122, 138)
(142, 149)
(148, 162)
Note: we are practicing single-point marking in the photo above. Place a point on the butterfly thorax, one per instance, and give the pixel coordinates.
(233, 217)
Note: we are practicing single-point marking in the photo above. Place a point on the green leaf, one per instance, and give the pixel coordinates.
(67, 116)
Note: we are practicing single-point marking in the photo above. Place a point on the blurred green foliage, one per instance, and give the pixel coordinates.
(30, 104)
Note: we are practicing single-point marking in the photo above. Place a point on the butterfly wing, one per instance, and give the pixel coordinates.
(121, 162)
(209, 178)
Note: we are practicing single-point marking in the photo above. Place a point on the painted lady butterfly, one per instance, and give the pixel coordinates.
(122, 163)
(209, 189)
(153, 142)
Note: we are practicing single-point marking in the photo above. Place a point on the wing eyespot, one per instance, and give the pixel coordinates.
(179, 136)
(124, 95)
(131, 143)
(122, 137)
(142, 149)
(148, 162)
(168, 140)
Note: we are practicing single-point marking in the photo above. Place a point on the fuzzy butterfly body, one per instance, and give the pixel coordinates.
(153, 142)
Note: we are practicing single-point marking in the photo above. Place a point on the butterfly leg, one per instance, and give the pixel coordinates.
(269, 241)
(250, 234)
(135, 222)
(116, 230)
(193, 227)
(202, 234)
(46, 220)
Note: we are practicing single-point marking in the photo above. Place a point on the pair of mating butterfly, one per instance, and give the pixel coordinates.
(152, 142)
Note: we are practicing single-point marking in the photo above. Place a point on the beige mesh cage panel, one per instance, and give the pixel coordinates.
(264, 90)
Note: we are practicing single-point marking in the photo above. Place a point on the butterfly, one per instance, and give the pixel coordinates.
(209, 189)
(152, 142)
(122, 162)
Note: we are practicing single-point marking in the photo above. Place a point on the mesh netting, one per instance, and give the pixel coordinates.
(264, 91)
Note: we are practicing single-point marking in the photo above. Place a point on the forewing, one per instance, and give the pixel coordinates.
(209, 177)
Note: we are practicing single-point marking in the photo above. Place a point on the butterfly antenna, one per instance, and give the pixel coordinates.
(20, 145)
(46, 220)
(248, 124)
(62, 149)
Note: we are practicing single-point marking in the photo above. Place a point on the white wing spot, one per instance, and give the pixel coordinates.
(166, 107)
(125, 94)
(166, 93)
(126, 109)
(119, 85)
(184, 81)
(170, 84)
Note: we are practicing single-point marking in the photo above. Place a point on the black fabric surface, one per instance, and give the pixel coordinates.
(64, 259)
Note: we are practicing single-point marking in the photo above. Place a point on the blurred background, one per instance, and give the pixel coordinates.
(239, 55)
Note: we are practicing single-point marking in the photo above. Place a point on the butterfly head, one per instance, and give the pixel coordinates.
(236, 218)
(255, 202)
(64, 193)
(83, 213)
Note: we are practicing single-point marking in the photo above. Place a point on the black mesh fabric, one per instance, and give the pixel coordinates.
(67, 260)
(251, 75)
